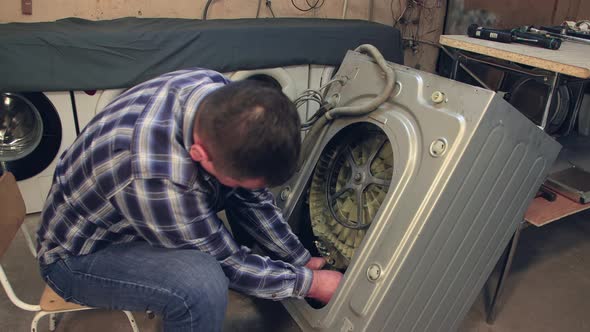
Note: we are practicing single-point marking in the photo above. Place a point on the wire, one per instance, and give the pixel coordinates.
(269, 5)
(258, 9)
(422, 41)
(311, 6)
(206, 9)
(405, 8)
(422, 4)
(315, 96)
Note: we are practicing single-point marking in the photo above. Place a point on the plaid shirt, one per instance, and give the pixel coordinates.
(129, 177)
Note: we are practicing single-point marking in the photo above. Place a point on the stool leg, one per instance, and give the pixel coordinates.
(52, 322)
(35, 322)
(131, 321)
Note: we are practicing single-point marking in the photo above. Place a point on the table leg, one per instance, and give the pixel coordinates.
(455, 68)
(552, 91)
(491, 312)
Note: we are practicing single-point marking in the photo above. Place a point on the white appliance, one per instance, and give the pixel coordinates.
(90, 102)
(292, 80)
(35, 128)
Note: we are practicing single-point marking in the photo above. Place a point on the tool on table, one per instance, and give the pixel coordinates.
(561, 33)
(546, 194)
(514, 36)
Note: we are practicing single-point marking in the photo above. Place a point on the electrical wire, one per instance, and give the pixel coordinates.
(258, 8)
(315, 96)
(311, 6)
(269, 5)
(320, 124)
(403, 12)
(206, 9)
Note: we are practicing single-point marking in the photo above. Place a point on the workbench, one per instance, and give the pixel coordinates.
(571, 63)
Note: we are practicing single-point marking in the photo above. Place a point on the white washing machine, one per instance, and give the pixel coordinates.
(291, 80)
(35, 128)
(90, 102)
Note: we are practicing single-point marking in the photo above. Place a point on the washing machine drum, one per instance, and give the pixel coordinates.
(30, 133)
(529, 96)
(349, 185)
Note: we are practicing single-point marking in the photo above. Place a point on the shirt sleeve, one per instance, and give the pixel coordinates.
(171, 216)
(257, 213)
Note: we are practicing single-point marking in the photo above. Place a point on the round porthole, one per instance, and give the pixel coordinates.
(21, 127)
(30, 133)
(349, 185)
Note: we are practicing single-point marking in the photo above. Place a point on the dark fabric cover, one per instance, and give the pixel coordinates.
(77, 54)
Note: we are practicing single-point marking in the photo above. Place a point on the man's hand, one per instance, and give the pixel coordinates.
(316, 263)
(324, 285)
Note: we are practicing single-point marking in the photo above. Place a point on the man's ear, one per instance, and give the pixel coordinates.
(198, 153)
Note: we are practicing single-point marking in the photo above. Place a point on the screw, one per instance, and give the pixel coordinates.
(374, 272)
(438, 147)
(285, 193)
(438, 97)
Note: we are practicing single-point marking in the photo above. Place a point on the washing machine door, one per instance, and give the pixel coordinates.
(30, 133)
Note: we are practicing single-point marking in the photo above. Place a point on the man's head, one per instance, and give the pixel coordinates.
(247, 134)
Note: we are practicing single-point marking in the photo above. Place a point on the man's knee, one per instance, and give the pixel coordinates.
(202, 289)
(203, 278)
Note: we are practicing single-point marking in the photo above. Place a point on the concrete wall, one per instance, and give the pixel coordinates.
(419, 22)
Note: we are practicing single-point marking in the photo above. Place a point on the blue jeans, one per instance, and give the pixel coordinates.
(187, 287)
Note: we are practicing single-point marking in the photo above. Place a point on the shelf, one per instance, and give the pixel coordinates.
(541, 211)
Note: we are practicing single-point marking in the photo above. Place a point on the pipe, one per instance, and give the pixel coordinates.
(314, 133)
(377, 101)
(206, 9)
(344, 9)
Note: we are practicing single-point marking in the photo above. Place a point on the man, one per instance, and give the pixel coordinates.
(130, 222)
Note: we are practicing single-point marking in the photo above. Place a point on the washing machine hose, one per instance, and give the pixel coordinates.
(358, 110)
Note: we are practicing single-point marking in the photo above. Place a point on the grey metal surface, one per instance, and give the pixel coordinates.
(451, 207)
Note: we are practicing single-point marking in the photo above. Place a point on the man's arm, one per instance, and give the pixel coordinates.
(256, 212)
(170, 216)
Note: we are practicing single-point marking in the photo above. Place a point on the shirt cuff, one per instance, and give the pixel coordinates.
(300, 257)
(303, 279)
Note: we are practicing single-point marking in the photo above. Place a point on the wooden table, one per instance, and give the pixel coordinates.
(571, 59)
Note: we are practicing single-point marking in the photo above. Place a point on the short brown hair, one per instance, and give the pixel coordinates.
(251, 130)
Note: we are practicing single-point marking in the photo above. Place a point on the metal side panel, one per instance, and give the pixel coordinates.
(447, 216)
(469, 226)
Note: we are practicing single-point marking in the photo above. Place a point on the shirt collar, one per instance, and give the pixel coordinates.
(190, 112)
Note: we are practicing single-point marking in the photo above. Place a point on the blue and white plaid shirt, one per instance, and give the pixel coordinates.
(129, 177)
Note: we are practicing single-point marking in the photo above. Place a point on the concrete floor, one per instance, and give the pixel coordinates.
(548, 290)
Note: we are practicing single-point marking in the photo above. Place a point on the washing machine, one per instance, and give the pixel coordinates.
(292, 80)
(89, 102)
(414, 200)
(35, 128)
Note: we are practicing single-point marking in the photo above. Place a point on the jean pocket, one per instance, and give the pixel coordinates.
(59, 278)
(58, 288)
